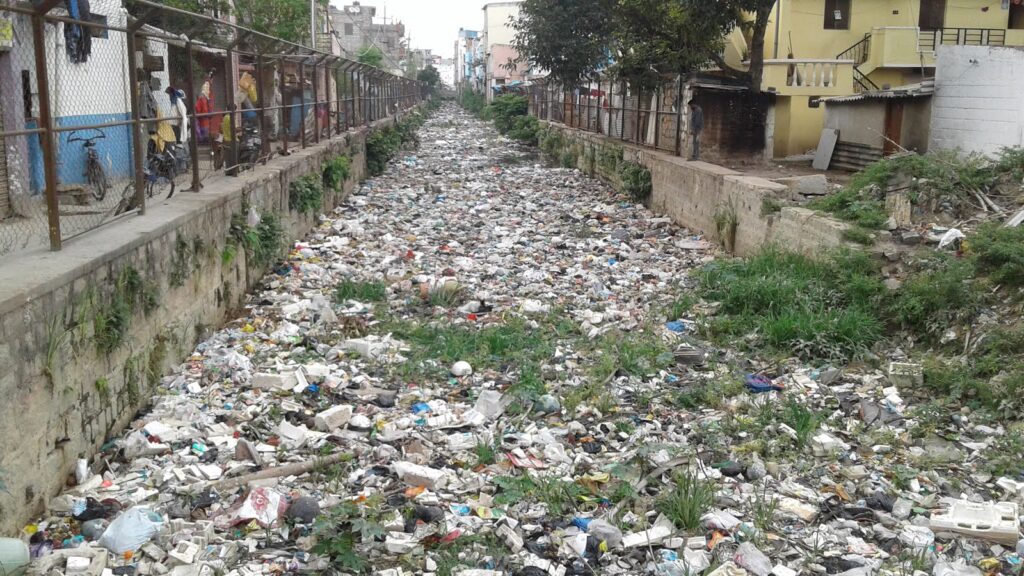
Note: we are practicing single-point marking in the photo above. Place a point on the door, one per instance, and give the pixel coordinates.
(933, 15)
(893, 127)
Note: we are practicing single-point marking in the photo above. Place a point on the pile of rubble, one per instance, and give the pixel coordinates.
(314, 435)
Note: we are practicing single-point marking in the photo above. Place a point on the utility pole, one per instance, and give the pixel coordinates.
(312, 24)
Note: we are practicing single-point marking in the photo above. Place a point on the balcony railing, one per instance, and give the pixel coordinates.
(930, 40)
(812, 77)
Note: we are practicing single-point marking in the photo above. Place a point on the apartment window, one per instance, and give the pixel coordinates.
(348, 30)
(837, 14)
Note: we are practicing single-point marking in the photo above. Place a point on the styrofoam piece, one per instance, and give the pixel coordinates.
(997, 522)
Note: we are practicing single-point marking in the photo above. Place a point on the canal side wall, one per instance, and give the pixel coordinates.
(87, 333)
(724, 205)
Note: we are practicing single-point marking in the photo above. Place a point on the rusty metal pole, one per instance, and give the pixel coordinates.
(262, 106)
(302, 99)
(231, 161)
(679, 112)
(316, 102)
(138, 145)
(657, 117)
(47, 141)
(284, 109)
(194, 141)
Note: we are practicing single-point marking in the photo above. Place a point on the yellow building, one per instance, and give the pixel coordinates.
(822, 48)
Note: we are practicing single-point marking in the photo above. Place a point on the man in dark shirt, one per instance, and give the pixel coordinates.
(696, 127)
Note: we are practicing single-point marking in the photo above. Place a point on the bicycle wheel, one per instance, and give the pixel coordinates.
(98, 181)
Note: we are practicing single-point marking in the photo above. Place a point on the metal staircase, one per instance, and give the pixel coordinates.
(859, 53)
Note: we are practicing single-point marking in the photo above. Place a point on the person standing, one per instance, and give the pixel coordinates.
(696, 127)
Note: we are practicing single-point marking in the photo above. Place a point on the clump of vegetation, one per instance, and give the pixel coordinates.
(306, 195)
(991, 378)
(381, 147)
(946, 177)
(636, 181)
(999, 252)
(939, 293)
(825, 308)
(262, 243)
(570, 159)
(361, 291)
(473, 102)
(552, 142)
(112, 320)
(687, 501)
(505, 110)
(859, 235)
(336, 172)
(526, 129)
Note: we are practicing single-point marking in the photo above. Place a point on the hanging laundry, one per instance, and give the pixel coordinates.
(78, 38)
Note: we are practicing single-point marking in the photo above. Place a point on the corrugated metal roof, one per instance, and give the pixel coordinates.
(921, 89)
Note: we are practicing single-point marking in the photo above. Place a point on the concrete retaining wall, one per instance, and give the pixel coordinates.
(701, 196)
(63, 396)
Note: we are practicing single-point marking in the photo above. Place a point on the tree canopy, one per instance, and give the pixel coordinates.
(285, 19)
(639, 41)
(430, 76)
(371, 55)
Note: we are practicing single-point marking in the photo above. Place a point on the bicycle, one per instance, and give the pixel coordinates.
(159, 173)
(94, 173)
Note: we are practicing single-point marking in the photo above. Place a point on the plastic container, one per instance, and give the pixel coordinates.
(14, 557)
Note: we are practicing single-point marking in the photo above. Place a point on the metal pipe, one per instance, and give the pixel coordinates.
(284, 110)
(262, 119)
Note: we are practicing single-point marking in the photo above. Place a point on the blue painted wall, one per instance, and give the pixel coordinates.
(115, 151)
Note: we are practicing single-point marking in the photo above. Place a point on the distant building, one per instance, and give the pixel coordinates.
(356, 29)
(468, 63)
(446, 68)
(497, 46)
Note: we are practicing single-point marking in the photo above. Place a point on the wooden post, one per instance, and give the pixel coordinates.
(47, 137)
(194, 141)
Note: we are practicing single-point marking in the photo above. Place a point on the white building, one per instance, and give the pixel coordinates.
(497, 44)
(977, 106)
(447, 71)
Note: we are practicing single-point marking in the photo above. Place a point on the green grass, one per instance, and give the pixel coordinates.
(800, 418)
(824, 308)
(637, 353)
(336, 172)
(485, 454)
(559, 496)
(859, 235)
(999, 253)
(372, 291)
(687, 501)
(939, 294)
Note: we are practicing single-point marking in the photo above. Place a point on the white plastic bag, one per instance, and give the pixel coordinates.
(131, 530)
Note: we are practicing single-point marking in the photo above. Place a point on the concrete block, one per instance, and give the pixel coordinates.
(333, 418)
(811, 185)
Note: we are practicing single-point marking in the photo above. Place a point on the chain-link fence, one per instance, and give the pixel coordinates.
(107, 107)
(654, 118)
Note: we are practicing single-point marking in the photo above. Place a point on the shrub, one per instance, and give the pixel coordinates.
(381, 147)
(636, 181)
(931, 299)
(526, 129)
(473, 102)
(687, 501)
(306, 195)
(506, 109)
(336, 172)
(999, 253)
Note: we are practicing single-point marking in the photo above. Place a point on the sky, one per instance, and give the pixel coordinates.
(432, 24)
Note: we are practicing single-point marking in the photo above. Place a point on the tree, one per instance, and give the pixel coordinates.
(371, 55)
(639, 41)
(285, 19)
(567, 38)
(430, 76)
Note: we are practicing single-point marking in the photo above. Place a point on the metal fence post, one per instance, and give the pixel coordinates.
(46, 123)
(679, 111)
(302, 99)
(316, 101)
(262, 97)
(231, 160)
(193, 143)
(138, 146)
(284, 108)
